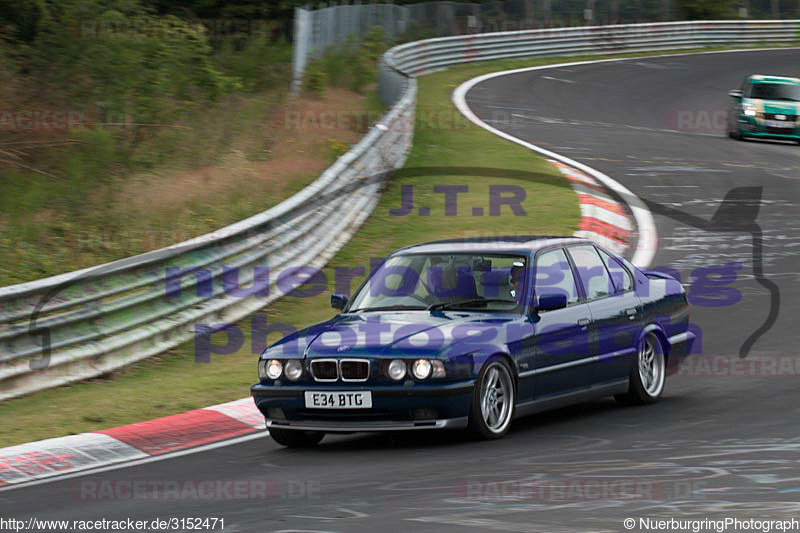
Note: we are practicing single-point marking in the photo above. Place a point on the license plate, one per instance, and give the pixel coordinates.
(780, 124)
(339, 399)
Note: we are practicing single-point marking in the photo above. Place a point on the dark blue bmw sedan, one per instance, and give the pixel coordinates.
(473, 333)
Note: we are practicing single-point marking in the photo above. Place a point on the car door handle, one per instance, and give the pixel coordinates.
(583, 322)
(631, 312)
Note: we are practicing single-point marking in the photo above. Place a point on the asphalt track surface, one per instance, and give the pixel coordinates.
(717, 446)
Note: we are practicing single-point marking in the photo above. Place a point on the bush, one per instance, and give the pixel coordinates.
(708, 9)
(257, 63)
(351, 65)
(375, 43)
(316, 78)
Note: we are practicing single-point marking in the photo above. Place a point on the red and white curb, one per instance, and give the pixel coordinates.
(603, 219)
(600, 219)
(66, 455)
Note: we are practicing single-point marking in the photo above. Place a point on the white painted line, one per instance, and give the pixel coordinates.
(647, 235)
(557, 79)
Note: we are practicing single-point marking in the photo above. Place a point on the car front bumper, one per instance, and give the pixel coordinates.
(393, 407)
(749, 127)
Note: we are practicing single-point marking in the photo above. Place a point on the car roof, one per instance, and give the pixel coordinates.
(761, 78)
(503, 243)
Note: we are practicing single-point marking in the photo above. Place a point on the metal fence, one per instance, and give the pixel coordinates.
(87, 323)
(433, 54)
(316, 31)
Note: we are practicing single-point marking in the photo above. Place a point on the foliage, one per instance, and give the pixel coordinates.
(708, 9)
(316, 78)
(337, 148)
(257, 64)
(352, 65)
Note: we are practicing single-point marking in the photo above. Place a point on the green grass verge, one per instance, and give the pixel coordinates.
(173, 382)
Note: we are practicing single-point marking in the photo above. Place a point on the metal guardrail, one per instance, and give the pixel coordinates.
(92, 321)
(421, 57)
(86, 323)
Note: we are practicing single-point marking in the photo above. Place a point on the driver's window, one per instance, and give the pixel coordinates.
(554, 275)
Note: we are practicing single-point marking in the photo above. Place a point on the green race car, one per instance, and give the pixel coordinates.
(766, 107)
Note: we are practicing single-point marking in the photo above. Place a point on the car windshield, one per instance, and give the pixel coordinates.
(463, 281)
(776, 91)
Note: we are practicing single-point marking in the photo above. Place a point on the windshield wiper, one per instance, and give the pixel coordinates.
(389, 308)
(445, 305)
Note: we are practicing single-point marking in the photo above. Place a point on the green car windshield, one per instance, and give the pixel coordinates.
(776, 91)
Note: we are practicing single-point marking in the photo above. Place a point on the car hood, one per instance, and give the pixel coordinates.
(385, 334)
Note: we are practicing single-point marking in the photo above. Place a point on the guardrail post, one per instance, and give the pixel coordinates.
(301, 39)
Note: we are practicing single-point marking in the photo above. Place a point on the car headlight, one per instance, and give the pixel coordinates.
(438, 368)
(397, 369)
(749, 110)
(422, 369)
(293, 369)
(271, 369)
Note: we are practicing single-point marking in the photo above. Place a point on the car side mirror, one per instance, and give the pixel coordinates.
(551, 301)
(338, 301)
(736, 93)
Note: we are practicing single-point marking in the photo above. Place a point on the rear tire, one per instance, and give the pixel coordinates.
(493, 401)
(295, 438)
(646, 381)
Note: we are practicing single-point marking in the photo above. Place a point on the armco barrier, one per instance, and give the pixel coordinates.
(95, 320)
(433, 54)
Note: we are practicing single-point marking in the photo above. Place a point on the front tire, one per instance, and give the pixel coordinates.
(493, 401)
(295, 438)
(647, 375)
